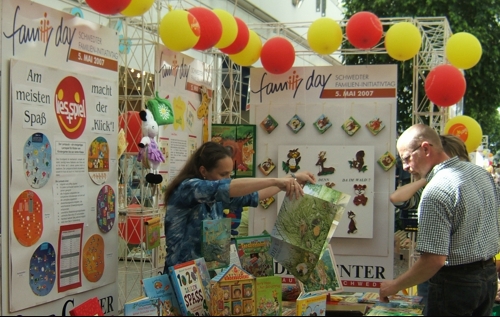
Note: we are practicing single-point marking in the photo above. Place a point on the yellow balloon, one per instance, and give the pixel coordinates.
(463, 50)
(324, 36)
(466, 129)
(137, 7)
(403, 41)
(229, 28)
(251, 53)
(179, 30)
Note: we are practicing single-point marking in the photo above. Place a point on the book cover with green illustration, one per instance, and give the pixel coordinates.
(268, 296)
(325, 277)
(216, 243)
(253, 252)
(304, 228)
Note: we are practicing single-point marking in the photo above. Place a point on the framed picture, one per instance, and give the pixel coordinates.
(240, 138)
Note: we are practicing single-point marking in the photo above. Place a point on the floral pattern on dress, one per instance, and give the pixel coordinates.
(193, 201)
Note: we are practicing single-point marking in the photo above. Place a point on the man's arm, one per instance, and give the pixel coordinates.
(426, 266)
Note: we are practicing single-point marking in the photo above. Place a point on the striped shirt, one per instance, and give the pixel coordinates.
(458, 213)
(193, 201)
(410, 204)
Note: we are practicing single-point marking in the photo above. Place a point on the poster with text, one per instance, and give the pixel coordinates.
(186, 83)
(64, 185)
(342, 121)
(59, 104)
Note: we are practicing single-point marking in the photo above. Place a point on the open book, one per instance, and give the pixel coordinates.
(304, 228)
(325, 278)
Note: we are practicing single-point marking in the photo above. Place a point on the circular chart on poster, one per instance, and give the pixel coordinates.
(106, 208)
(93, 258)
(28, 218)
(37, 160)
(43, 269)
(98, 160)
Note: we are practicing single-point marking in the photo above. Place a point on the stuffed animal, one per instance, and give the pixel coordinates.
(148, 148)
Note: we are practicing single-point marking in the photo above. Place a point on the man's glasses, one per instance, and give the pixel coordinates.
(406, 159)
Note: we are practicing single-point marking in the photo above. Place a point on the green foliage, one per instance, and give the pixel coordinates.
(479, 18)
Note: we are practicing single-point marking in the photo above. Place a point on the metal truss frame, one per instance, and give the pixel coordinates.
(435, 33)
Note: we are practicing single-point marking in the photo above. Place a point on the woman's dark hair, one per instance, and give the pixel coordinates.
(454, 146)
(207, 155)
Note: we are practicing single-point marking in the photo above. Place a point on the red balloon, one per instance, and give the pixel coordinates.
(108, 6)
(210, 27)
(241, 40)
(132, 124)
(277, 55)
(364, 30)
(445, 85)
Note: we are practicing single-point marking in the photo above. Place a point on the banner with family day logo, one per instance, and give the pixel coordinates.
(338, 122)
(62, 95)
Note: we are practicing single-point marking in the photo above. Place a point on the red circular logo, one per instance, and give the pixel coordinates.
(194, 24)
(460, 130)
(70, 107)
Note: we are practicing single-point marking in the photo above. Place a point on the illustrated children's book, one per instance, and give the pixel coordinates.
(159, 287)
(268, 296)
(152, 232)
(204, 275)
(388, 311)
(186, 280)
(254, 256)
(141, 306)
(311, 304)
(290, 289)
(304, 227)
(345, 298)
(399, 307)
(396, 300)
(216, 242)
(325, 277)
(232, 293)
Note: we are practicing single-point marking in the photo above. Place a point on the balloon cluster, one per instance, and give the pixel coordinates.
(445, 84)
(200, 28)
(128, 8)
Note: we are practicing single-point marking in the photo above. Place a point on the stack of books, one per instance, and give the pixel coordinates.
(398, 305)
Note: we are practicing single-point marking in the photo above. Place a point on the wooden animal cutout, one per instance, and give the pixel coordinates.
(360, 198)
(321, 160)
(359, 162)
(352, 223)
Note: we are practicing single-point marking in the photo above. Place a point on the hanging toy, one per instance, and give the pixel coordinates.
(148, 148)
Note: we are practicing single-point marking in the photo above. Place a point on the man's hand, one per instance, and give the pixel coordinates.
(387, 288)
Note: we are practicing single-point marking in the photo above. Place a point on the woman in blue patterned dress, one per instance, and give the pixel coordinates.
(203, 189)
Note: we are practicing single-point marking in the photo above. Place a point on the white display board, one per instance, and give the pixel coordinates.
(59, 186)
(363, 93)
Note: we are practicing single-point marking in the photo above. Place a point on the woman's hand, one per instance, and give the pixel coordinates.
(305, 177)
(293, 185)
(290, 186)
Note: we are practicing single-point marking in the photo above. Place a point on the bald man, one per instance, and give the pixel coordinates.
(458, 230)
